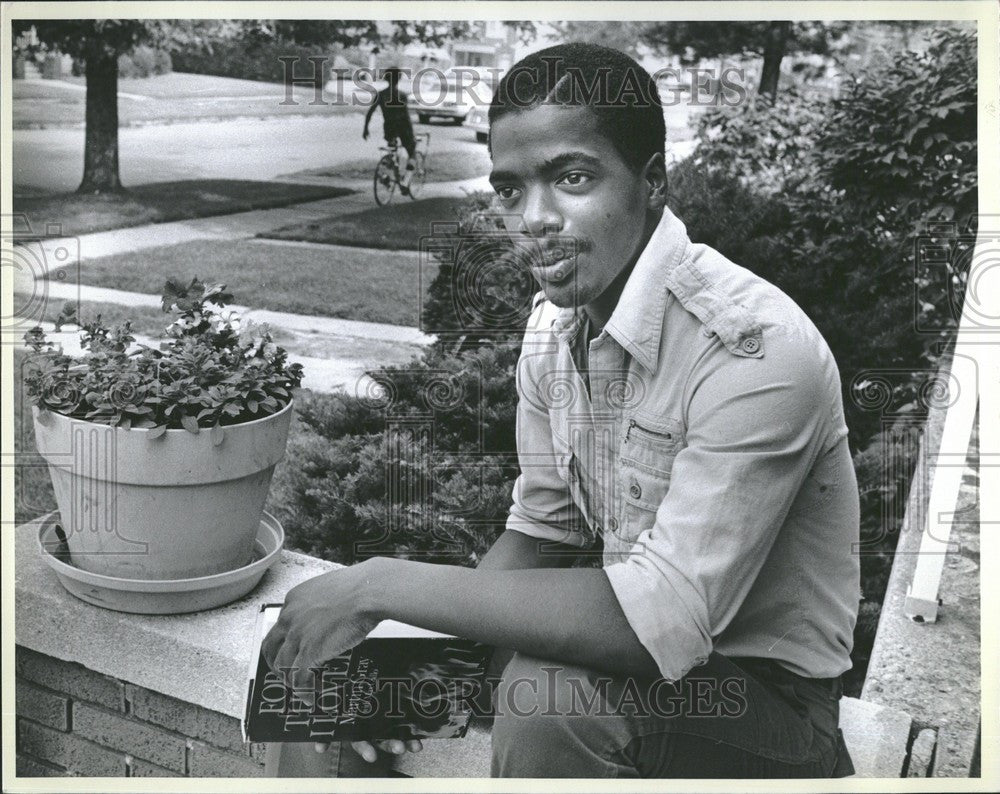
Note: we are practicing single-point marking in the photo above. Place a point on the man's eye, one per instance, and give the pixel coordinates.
(506, 193)
(575, 179)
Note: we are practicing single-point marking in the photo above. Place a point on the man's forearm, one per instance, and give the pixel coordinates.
(515, 551)
(570, 616)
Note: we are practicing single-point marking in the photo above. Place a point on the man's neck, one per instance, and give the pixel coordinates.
(601, 308)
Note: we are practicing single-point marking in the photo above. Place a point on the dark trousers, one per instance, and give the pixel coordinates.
(728, 718)
(406, 139)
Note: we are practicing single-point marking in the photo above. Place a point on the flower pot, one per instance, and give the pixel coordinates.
(174, 507)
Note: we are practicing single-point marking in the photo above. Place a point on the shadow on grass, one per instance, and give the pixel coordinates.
(446, 165)
(161, 202)
(397, 226)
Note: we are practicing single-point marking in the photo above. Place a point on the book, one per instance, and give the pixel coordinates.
(401, 682)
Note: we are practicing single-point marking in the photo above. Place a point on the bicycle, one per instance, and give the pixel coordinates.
(387, 176)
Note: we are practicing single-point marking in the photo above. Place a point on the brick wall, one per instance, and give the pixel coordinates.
(72, 721)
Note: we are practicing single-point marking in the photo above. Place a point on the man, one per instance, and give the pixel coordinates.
(396, 124)
(679, 410)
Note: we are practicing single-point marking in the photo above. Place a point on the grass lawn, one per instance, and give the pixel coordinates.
(33, 494)
(160, 202)
(443, 165)
(350, 283)
(398, 226)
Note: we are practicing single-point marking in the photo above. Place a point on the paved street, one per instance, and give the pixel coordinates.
(52, 159)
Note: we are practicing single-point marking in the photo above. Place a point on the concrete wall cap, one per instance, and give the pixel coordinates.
(200, 658)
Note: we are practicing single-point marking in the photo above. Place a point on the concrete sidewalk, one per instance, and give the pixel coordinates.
(344, 371)
(334, 353)
(305, 324)
(57, 252)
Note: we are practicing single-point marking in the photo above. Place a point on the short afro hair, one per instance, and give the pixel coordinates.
(621, 94)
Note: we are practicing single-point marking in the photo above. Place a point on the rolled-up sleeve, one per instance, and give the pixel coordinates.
(754, 430)
(543, 506)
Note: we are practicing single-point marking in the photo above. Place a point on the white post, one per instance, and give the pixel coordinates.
(973, 369)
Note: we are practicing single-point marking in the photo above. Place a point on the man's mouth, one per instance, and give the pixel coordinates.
(554, 267)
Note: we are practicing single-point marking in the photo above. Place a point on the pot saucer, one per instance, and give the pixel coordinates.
(160, 596)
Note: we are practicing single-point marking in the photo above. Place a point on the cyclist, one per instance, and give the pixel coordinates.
(395, 121)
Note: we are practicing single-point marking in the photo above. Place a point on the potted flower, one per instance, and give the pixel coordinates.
(161, 459)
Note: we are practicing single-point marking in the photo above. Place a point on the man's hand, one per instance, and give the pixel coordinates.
(367, 750)
(322, 618)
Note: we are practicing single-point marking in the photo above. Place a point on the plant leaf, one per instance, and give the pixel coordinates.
(218, 434)
(156, 432)
(190, 424)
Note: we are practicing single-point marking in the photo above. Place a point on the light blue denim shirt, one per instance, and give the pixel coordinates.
(711, 455)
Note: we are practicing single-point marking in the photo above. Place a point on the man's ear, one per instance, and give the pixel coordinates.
(655, 175)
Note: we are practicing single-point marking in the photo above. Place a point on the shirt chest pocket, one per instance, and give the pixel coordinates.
(646, 459)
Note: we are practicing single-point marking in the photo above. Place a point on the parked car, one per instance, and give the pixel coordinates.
(478, 122)
(450, 96)
(440, 99)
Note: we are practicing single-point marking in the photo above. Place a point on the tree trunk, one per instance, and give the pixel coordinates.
(776, 39)
(100, 154)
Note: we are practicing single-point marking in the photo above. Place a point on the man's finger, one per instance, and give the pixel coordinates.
(394, 746)
(414, 745)
(320, 747)
(365, 750)
(286, 653)
(272, 644)
(301, 677)
(304, 678)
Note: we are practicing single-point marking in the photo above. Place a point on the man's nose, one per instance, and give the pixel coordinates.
(540, 216)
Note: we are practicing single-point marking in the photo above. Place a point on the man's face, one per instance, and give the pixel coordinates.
(560, 177)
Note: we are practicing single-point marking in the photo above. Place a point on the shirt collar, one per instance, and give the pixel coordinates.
(637, 320)
(665, 268)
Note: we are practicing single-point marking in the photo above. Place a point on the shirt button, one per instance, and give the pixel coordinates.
(750, 345)
(635, 490)
(613, 524)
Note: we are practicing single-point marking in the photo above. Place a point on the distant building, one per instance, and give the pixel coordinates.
(492, 45)
(33, 60)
